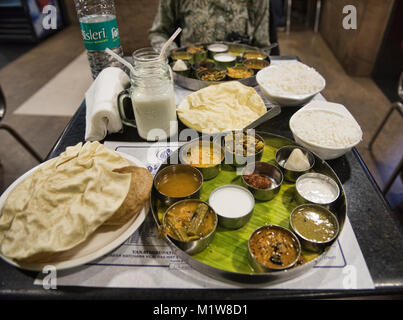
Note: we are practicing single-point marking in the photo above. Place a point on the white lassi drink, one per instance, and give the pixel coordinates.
(155, 113)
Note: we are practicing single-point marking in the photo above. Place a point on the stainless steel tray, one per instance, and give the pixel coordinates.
(340, 210)
(196, 84)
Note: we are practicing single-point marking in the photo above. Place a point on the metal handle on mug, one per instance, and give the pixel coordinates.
(125, 94)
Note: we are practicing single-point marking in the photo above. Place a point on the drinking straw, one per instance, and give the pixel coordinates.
(120, 59)
(172, 38)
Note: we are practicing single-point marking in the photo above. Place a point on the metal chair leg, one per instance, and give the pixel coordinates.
(317, 15)
(395, 173)
(21, 141)
(396, 105)
(288, 22)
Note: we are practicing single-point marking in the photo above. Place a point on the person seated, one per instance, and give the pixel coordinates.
(207, 21)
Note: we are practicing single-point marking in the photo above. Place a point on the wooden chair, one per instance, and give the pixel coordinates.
(399, 107)
(12, 132)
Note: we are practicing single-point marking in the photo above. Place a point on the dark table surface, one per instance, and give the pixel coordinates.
(378, 233)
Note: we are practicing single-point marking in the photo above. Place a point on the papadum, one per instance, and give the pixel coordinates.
(222, 107)
(66, 199)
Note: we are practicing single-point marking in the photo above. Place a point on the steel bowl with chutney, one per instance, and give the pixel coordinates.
(294, 161)
(317, 188)
(315, 226)
(204, 155)
(190, 224)
(263, 179)
(273, 248)
(178, 182)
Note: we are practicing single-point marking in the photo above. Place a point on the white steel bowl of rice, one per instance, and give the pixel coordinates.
(290, 83)
(327, 129)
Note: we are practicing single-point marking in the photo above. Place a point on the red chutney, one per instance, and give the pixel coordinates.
(257, 181)
(274, 248)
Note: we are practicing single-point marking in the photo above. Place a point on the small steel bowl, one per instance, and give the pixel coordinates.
(194, 246)
(175, 168)
(232, 222)
(270, 171)
(216, 48)
(262, 268)
(256, 64)
(302, 198)
(181, 55)
(220, 74)
(231, 61)
(209, 172)
(236, 159)
(254, 54)
(184, 73)
(282, 156)
(309, 244)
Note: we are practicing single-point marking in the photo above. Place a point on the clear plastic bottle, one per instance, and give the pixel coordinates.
(100, 31)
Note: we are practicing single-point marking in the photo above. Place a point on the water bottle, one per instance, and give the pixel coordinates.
(99, 29)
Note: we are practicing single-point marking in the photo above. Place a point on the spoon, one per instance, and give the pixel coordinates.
(274, 111)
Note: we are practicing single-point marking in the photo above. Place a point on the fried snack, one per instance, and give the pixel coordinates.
(222, 107)
(63, 202)
(139, 192)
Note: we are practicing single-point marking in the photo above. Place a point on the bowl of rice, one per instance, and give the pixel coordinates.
(290, 83)
(327, 129)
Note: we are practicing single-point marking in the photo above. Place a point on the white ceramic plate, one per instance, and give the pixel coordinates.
(102, 241)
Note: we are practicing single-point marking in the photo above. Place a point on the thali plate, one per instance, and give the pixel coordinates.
(226, 258)
(196, 84)
(101, 242)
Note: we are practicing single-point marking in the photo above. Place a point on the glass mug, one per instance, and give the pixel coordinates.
(152, 97)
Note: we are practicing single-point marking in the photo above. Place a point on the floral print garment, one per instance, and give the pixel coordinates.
(211, 20)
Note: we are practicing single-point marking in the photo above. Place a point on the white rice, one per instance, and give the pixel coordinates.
(292, 78)
(326, 128)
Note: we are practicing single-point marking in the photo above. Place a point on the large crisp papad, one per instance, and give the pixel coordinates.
(63, 202)
(222, 107)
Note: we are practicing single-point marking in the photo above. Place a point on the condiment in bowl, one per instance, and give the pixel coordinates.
(225, 59)
(205, 155)
(233, 205)
(190, 224)
(256, 64)
(263, 179)
(273, 248)
(317, 188)
(239, 72)
(177, 182)
(254, 55)
(215, 48)
(242, 147)
(315, 226)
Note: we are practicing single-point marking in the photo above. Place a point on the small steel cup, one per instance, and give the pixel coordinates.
(194, 246)
(301, 199)
(233, 222)
(309, 244)
(218, 59)
(282, 156)
(270, 171)
(209, 172)
(238, 160)
(262, 268)
(175, 168)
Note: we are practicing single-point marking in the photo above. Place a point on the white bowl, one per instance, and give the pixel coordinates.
(289, 99)
(325, 153)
